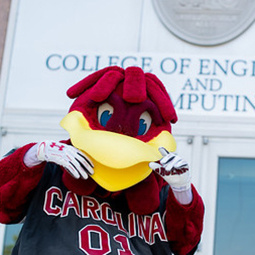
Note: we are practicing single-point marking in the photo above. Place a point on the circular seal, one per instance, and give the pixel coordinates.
(206, 22)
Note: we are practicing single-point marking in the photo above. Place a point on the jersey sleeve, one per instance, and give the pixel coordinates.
(16, 183)
(184, 223)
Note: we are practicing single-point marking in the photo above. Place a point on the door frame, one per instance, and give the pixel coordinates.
(216, 148)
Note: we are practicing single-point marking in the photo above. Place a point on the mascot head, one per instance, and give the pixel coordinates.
(119, 119)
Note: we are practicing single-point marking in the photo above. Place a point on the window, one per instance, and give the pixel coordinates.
(11, 235)
(235, 221)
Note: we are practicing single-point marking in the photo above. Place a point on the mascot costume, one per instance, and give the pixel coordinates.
(114, 187)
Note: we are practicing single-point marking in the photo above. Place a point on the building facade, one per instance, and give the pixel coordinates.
(202, 50)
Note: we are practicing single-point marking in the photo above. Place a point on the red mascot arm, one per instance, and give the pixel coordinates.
(184, 222)
(16, 183)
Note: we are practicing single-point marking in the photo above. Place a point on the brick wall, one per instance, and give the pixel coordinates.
(4, 14)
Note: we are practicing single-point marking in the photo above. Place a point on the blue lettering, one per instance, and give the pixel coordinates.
(183, 60)
(146, 62)
(193, 98)
(53, 58)
(206, 84)
(126, 59)
(204, 65)
(179, 99)
(188, 84)
(215, 85)
(168, 65)
(84, 64)
(225, 100)
(237, 103)
(253, 68)
(113, 60)
(203, 85)
(246, 99)
(93, 67)
(97, 63)
(203, 103)
(243, 70)
(72, 61)
(224, 70)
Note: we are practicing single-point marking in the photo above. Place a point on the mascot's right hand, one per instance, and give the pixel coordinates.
(67, 156)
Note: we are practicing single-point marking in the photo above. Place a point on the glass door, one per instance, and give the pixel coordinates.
(11, 235)
(228, 190)
(235, 221)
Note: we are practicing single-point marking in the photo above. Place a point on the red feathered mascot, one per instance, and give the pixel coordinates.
(114, 187)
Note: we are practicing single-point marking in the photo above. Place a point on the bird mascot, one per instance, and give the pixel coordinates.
(115, 187)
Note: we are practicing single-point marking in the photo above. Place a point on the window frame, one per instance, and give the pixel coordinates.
(217, 148)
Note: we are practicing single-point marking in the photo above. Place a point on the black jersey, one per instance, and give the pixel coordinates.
(59, 222)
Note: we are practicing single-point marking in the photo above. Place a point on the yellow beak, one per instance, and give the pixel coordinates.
(120, 161)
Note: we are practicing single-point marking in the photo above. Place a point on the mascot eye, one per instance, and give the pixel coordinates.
(144, 123)
(104, 113)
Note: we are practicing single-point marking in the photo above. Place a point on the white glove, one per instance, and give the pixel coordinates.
(72, 159)
(173, 169)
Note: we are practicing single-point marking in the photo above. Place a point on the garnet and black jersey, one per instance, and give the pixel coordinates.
(60, 222)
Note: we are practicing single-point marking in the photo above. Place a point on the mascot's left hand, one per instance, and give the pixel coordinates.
(173, 169)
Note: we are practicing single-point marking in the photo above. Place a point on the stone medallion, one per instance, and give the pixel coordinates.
(206, 22)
